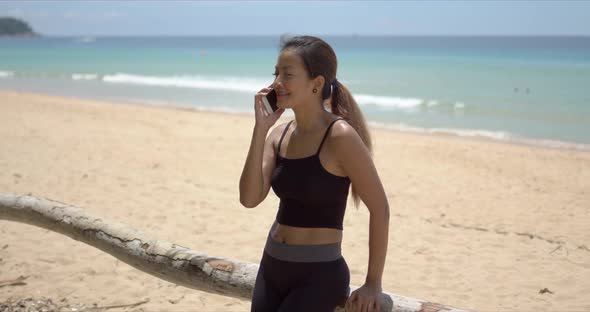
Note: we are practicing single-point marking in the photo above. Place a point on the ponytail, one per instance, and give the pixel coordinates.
(344, 105)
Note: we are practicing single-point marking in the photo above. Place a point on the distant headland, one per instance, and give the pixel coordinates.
(12, 27)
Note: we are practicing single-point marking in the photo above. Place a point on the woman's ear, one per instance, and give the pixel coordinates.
(319, 82)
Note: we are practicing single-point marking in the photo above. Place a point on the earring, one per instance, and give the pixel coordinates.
(315, 90)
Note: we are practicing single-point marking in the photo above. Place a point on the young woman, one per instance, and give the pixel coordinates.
(310, 163)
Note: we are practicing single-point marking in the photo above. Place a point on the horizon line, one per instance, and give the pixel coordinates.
(319, 35)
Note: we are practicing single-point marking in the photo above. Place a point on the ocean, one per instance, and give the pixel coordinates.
(517, 89)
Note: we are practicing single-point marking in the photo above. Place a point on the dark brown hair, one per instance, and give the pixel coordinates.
(319, 59)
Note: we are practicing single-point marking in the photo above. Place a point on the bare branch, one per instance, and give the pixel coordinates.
(168, 261)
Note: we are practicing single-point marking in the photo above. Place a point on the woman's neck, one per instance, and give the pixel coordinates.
(310, 118)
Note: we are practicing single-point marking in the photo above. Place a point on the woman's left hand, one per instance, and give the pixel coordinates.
(364, 299)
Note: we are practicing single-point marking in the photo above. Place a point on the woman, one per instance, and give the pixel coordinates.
(310, 162)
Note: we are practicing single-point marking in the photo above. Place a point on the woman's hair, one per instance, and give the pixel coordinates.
(319, 59)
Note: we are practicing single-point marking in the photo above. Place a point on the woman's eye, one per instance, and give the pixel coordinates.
(286, 75)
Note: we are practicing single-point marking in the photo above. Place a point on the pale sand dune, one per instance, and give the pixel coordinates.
(457, 207)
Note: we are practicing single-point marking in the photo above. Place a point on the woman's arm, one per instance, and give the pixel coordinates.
(356, 161)
(255, 178)
(252, 181)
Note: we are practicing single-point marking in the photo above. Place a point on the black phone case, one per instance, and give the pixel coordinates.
(272, 99)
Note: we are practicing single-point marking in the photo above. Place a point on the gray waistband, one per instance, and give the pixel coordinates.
(303, 253)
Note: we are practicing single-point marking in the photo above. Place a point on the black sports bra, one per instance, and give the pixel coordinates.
(310, 196)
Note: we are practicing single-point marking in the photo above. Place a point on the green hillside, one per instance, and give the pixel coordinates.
(14, 27)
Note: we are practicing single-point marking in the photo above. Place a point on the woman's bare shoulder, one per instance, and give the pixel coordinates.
(342, 130)
(345, 139)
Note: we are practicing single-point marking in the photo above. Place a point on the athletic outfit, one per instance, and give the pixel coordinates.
(304, 277)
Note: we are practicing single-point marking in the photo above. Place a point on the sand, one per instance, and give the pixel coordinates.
(474, 224)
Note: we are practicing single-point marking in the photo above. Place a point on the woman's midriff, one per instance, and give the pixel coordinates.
(293, 235)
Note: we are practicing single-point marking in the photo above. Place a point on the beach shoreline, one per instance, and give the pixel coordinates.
(474, 224)
(521, 141)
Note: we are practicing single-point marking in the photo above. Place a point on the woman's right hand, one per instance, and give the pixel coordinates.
(264, 118)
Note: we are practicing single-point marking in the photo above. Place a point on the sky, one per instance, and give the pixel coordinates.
(214, 18)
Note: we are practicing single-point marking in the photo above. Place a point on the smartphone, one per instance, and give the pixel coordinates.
(270, 101)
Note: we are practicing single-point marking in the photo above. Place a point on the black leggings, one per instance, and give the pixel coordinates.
(283, 285)
(300, 286)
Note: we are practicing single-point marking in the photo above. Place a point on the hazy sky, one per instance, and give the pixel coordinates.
(314, 18)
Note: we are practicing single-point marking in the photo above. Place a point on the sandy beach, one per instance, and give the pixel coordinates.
(475, 224)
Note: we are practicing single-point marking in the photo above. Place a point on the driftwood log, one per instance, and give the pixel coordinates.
(168, 261)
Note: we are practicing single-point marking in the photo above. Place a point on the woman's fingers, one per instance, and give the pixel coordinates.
(258, 100)
(349, 307)
(257, 106)
(265, 117)
(371, 306)
(362, 305)
(378, 304)
(263, 92)
(261, 109)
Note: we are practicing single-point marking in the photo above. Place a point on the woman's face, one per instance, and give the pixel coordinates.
(292, 83)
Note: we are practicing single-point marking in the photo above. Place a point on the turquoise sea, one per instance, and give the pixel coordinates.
(522, 89)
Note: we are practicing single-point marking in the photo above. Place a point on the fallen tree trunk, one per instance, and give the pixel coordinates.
(171, 262)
